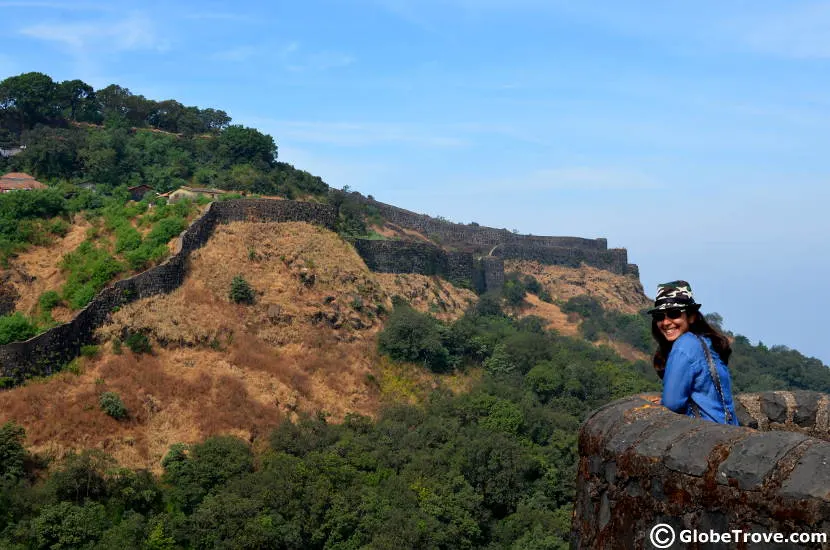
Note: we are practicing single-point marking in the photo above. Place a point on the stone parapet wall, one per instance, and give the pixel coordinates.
(402, 257)
(641, 465)
(475, 235)
(614, 260)
(428, 259)
(493, 268)
(269, 210)
(48, 352)
(487, 241)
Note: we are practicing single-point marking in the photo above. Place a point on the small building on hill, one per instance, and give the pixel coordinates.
(137, 192)
(18, 181)
(12, 150)
(193, 193)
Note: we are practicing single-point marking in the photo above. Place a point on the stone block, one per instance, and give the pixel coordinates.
(744, 418)
(690, 454)
(656, 445)
(806, 407)
(811, 476)
(774, 407)
(752, 459)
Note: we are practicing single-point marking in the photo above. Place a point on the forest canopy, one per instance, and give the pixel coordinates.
(110, 137)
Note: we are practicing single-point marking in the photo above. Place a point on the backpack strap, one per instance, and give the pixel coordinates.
(713, 372)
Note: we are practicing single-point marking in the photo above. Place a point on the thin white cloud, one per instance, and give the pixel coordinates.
(296, 59)
(577, 178)
(220, 16)
(241, 53)
(321, 61)
(134, 32)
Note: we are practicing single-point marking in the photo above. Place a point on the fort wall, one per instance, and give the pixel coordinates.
(49, 351)
(450, 233)
(641, 465)
(485, 241)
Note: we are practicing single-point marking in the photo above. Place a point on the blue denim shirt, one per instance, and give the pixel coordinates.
(687, 379)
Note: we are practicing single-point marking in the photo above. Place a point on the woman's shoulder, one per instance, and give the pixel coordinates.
(688, 344)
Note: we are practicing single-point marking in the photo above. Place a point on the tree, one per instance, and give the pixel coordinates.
(78, 98)
(413, 336)
(12, 452)
(207, 465)
(240, 145)
(31, 97)
(52, 152)
(214, 119)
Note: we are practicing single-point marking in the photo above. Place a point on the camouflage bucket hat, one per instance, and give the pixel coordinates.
(676, 294)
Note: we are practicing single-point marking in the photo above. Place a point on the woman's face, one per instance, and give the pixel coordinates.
(672, 329)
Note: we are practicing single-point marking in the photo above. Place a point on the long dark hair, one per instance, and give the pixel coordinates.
(720, 343)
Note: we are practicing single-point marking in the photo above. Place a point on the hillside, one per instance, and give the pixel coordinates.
(367, 377)
(307, 344)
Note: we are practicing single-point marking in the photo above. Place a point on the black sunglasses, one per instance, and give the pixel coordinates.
(673, 313)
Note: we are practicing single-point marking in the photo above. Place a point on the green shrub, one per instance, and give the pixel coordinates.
(241, 292)
(514, 292)
(413, 336)
(138, 343)
(127, 238)
(58, 227)
(15, 328)
(89, 350)
(166, 229)
(111, 404)
(89, 269)
(48, 300)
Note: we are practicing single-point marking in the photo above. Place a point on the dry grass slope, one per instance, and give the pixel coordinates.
(307, 344)
(615, 292)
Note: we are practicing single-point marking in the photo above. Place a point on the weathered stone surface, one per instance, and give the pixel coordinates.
(752, 459)
(661, 440)
(774, 406)
(806, 407)
(744, 418)
(604, 422)
(766, 482)
(811, 475)
(628, 435)
(690, 454)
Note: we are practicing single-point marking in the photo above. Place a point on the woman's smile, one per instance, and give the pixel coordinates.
(673, 329)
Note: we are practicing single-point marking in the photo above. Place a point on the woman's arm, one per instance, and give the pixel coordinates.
(677, 381)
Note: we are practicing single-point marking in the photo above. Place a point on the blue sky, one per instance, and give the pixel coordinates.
(694, 134)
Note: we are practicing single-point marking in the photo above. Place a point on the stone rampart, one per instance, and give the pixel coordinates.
(428, 259)
(485, 241)
(48, 352)
(449, 233)
(642, 465)
(614, 260)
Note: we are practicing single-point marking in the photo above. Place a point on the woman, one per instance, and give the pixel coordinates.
(691, 357)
